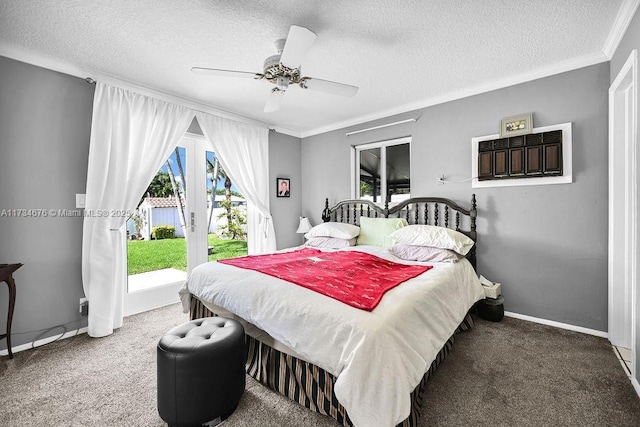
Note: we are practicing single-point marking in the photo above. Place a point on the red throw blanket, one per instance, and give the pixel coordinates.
(354, 278)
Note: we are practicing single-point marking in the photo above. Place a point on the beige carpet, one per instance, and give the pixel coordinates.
(508, 373)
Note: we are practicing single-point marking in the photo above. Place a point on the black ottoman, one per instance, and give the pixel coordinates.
(201, 374)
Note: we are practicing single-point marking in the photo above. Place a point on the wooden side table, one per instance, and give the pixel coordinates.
(6, 275)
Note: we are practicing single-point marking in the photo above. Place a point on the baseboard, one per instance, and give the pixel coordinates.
(636, 385)
(557, 324)
(44, 341)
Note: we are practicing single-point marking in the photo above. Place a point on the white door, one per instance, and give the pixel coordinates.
(158, 288)
(623, 205)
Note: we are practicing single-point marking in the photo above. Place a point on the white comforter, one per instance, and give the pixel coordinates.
(378, 357)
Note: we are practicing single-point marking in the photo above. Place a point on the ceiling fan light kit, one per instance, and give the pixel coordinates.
(274, 100)
(284, 68)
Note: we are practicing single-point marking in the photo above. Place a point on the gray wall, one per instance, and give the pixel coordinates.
(194, 127)
(630, 41)
(45, 125)
(546, 244)
(284, 162)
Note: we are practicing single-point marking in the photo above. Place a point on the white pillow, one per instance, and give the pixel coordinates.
(431, 235)
(330, 242)
(338, 230)
(423, 253)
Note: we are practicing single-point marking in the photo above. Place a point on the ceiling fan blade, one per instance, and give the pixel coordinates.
(274, 100)
(328, 86)
(226, 73)
(295, 48)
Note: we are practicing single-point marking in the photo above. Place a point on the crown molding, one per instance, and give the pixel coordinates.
(557, 68)
(623, 19)
(286, 131)
(43, 61)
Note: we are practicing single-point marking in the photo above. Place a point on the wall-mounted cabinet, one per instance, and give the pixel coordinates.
(542, 157)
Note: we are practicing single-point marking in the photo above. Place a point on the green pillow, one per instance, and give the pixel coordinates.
(376, 231)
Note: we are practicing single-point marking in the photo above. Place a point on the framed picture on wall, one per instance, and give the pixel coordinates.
(516, 125)
(283, 187)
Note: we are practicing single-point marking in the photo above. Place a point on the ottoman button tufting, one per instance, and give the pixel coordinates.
(201, 371)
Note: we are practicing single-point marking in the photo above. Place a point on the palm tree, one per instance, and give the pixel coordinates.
(213, 171)
(227, 195)
(181, 169)
(177, 192)
(160, 186)
(217, 172)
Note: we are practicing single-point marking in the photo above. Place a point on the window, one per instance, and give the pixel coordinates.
(382, 171)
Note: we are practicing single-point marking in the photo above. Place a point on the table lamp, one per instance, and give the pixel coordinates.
(304, 226)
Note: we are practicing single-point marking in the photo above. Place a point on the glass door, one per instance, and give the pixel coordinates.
(226, 213)
(167, 237)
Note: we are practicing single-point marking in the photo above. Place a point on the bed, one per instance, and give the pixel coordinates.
(360, 367)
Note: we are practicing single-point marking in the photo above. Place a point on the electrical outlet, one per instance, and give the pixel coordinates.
(83, 308)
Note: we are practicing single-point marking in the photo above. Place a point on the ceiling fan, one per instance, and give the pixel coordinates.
(283, 69)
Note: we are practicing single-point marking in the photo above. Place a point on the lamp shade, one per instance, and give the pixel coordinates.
(304, 225)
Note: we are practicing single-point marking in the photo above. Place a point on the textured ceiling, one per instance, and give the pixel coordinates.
(402, 54)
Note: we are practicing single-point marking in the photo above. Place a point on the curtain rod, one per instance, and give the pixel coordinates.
(380, 127)
(174, 99)
(92, 81)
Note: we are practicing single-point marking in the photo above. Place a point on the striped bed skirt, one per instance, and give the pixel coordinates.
(309, 385)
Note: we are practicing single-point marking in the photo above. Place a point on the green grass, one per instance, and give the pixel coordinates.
(150, 255)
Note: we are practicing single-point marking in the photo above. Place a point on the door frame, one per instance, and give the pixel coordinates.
(196, 207)
(623, 207)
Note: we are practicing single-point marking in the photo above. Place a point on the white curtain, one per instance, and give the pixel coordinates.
(243, 151)
(131, 136)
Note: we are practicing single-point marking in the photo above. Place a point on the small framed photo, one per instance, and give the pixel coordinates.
(283, 187)
(516, 125)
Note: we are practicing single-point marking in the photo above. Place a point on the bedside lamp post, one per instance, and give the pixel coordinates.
(304, 226)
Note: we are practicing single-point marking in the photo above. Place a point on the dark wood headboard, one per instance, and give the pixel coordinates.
(418, 210)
